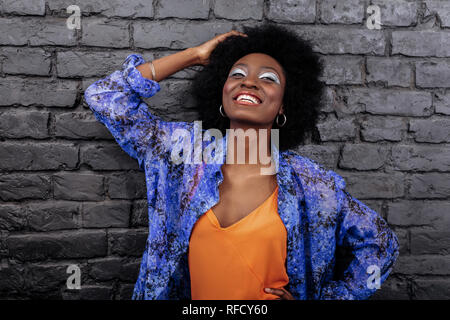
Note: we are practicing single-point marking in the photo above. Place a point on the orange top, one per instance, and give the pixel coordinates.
(239, 261)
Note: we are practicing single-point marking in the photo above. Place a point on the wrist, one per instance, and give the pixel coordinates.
(193, 56)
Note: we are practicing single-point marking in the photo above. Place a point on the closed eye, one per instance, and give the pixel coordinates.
(236, 73)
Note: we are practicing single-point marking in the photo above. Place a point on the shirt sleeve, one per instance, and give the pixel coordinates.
(374, 247)
(115, 102)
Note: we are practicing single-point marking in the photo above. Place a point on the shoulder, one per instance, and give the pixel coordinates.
(311, 171)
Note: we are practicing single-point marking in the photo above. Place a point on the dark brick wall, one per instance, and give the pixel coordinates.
(70, 195)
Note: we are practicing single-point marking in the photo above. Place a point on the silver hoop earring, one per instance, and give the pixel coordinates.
(221, 112)
(278, 117)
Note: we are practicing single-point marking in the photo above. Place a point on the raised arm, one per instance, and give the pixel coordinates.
(373, 244)
(116, 102)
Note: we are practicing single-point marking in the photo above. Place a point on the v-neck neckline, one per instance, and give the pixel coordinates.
(217, 223)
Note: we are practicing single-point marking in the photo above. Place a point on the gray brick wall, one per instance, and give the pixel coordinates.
(70, 195)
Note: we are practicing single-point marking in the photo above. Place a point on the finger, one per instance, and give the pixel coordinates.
(236, 32)
(277, 292)
(282, 293)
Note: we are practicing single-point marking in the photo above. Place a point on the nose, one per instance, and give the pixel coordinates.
(249, 82)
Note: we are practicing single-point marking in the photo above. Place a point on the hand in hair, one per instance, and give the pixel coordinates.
(204, 50)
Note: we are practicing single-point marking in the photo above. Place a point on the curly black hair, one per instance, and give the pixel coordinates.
(302, 67)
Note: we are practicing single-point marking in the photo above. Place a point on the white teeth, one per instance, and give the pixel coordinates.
(247, 97)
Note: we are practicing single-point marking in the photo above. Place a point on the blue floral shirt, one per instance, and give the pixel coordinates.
(337, 247)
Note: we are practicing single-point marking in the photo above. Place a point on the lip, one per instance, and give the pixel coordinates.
(247, 93)
(245, 103)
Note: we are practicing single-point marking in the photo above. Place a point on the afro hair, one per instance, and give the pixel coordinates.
(302, 68)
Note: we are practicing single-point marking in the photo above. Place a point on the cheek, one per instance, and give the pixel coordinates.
(274, 94)
(227, 88)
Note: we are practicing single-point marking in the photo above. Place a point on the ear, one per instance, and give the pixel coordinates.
(281, 110)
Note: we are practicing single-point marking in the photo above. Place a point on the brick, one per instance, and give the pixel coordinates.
(43, 92)
(342, 70)
(130, 271)
(32, 61)
(325, 155)
(89, 292)
(334, 40)
(403, 239)
(239, 10)
(431, 74)
(139, 214)
(397, 13)
(430, 185)
(380, 128)
(442, 103)
(336, 130)
(430, 130)
(127, 242)
(190, 9)
(111, 268)
(54, 215)
(38, 156)
(389, 102)
(78, 186)
(127, 185)
(430, 242)
(12, 217)
(421, 43)
(105, 33)
(169, 34)
(107, 157)
(35, 31)
(106, 214)
(44, 277)
(442, 8)
(363, 156)
(392, 289)
(24, 124)
(423, 265)
(105, 268)
(339, 11)
(23, 7)
(126, 291)
(380, 185)
(171, 99)
(131, 8)
(328, 100)
(292, 11)
(89, 64)
(79, 125)
(431, 289)
(420, 157)
(19, 186)
(12, 279)
(388, 71)
(432, 214)
(58, 245)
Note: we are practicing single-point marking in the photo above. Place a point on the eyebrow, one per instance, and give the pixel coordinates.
(266, 67)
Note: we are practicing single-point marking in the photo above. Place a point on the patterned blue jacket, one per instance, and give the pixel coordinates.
(337, 247)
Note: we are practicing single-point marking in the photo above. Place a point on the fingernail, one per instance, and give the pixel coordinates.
(267, 289)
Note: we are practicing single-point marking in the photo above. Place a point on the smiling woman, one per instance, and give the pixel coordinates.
(227, 231)
(272, 63)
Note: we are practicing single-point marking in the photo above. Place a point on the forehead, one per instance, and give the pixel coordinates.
(258, 60)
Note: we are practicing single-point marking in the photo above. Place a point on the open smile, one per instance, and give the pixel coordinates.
(246, 103)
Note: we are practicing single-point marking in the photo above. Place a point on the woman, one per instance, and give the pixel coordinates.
(225, 230)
